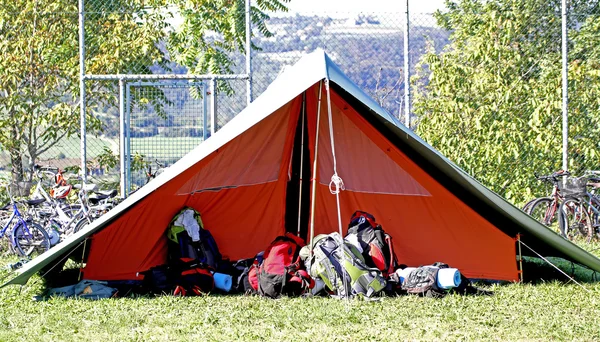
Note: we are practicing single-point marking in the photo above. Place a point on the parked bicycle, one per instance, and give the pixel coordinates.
(27, 238)
(545, 209)
(579, 214)
(151, 175)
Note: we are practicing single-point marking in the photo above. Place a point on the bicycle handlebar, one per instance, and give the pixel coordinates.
(553, 177)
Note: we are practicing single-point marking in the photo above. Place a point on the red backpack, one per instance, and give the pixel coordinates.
(376, 246)
(282, 271)
(192, 278)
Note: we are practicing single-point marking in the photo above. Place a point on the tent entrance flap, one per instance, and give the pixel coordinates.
(298, 186)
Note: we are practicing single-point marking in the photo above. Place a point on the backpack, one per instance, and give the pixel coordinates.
(375, 245)
(246, 275)
(423, 281)
(281, 271)
(182, 245)
(193, 278)
(342, 268)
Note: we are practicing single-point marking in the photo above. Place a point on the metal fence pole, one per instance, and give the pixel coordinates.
(127, 139)
(406, 69)
(248, 54)
(565, 94)
(82, 90)
(213, 105)
(204, 112)
(123, 182)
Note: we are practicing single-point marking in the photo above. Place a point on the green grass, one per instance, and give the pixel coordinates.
(71, 147)
(547, 310)
(164, 148)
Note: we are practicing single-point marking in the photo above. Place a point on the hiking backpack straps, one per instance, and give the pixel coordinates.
(281, 269)
(342, 268)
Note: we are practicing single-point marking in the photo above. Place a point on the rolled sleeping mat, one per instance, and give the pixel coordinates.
(448, 278)
(222, 281)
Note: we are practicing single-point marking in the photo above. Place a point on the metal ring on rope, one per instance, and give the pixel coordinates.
(338, 183)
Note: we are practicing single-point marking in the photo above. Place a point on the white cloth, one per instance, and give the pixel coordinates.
(187, 221)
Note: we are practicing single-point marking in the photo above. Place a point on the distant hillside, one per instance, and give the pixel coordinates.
(368, 48)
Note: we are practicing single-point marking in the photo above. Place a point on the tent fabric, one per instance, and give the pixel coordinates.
(236, 188)
(427, 222)
(237, 179)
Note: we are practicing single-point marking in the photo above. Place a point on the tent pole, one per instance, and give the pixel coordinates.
(337, 182)
(314, 172)
(82, 259)
(520, 258)
(301, 162)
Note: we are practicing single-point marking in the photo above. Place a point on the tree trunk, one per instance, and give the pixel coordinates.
(16, 158)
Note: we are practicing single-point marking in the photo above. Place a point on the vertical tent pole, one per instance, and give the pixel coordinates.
(314, 172)
(301, 162)
(337, 183)
(520, 258)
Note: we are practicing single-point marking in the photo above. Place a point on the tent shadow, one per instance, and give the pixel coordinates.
(536, 271)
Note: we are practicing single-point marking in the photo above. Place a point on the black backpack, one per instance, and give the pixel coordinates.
(376, 244)
(205, 250)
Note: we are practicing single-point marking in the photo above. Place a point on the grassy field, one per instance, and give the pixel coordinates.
(551, 309)
(159, 147)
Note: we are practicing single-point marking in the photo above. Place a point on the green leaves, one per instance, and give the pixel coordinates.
(491, 101)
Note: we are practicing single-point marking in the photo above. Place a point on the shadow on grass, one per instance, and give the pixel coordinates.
(537, 271)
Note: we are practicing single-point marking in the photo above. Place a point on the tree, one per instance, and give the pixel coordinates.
(39, 81)
(491, 100)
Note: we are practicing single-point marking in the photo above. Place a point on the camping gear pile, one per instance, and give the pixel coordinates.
(362, 263)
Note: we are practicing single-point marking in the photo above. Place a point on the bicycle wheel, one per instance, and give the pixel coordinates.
(30, 241)
(574, 220)
(527, 206)
(544, 210)
(80, 224)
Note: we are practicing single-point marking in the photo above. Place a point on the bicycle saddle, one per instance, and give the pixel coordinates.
(34, 202)
(87, 187)
(106, 193)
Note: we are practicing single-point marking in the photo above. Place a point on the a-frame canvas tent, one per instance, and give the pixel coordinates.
(238, 179)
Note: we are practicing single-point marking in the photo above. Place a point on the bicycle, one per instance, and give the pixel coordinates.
(151, 175)
(545, 209)
(580, 211)
(26, 236)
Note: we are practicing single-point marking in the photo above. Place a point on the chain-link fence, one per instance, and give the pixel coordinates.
(485, 79)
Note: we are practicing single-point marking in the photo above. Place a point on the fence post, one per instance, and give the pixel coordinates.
(127, 138)
(565, 94)
(406, 69)
(213, 105)
(123, 174)
(204, 112)
(82, 90)
(248, 54)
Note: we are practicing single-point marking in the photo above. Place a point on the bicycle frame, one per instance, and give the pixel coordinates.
(20, 221)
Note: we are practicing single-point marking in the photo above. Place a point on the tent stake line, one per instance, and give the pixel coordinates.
(551, 264)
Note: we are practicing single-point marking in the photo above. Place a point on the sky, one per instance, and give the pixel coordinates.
(368, 6)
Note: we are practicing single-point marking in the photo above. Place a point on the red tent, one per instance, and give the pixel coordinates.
(245, 180)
